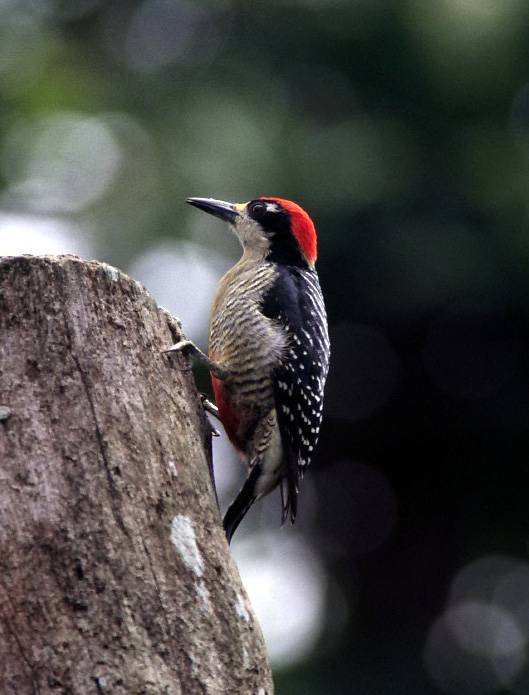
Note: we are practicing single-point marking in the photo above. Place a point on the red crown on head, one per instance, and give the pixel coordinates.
(302, 227)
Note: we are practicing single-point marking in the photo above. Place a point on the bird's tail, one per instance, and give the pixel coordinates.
(242, 503)
(290, 487)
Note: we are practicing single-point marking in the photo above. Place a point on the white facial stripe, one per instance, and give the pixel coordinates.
(272, 207)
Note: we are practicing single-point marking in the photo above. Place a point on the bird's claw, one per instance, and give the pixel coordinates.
(209, 407)
(212, 409)
(181, 346)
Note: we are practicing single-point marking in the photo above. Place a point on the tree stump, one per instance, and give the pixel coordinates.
(115, 575)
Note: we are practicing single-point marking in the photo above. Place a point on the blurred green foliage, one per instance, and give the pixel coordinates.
(403, 127)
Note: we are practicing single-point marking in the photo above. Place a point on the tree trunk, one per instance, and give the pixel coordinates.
(115, 575)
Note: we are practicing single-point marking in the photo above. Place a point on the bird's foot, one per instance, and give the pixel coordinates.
(185, 346)
(209, 407)
(212, 409)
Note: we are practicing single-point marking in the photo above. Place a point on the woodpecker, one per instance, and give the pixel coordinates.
(268, 348)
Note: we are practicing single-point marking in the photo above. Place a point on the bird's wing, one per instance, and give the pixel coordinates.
(295, 301)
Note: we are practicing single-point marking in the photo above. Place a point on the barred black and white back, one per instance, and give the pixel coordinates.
(296, 302)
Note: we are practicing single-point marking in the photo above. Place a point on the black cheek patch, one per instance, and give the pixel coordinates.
(284, 248)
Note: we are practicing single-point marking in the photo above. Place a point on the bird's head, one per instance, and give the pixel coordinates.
(268, 227)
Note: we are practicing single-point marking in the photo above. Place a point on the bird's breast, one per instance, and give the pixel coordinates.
(241, 338)
(249, 345)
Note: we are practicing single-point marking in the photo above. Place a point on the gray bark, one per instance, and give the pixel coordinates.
(115, 575)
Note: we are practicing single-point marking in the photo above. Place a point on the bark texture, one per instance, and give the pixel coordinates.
(115, 576)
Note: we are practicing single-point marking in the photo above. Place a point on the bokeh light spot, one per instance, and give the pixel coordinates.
(36, 235)
(160, 32)
(480, 642)
(465, 643)
(60, 163)
(286, 584)
(182, 277)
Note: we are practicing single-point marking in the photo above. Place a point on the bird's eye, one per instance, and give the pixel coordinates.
(257, 210)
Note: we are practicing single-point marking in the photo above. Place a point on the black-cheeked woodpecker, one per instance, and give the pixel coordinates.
(268, 348)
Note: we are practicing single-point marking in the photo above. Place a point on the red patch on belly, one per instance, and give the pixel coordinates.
(230, 418)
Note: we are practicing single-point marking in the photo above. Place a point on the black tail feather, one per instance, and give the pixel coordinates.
(290, 488)
(241, 504)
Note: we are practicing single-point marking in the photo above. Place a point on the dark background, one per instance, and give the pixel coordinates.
(403, 128)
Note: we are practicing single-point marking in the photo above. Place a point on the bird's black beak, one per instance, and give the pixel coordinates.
(226, 211)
